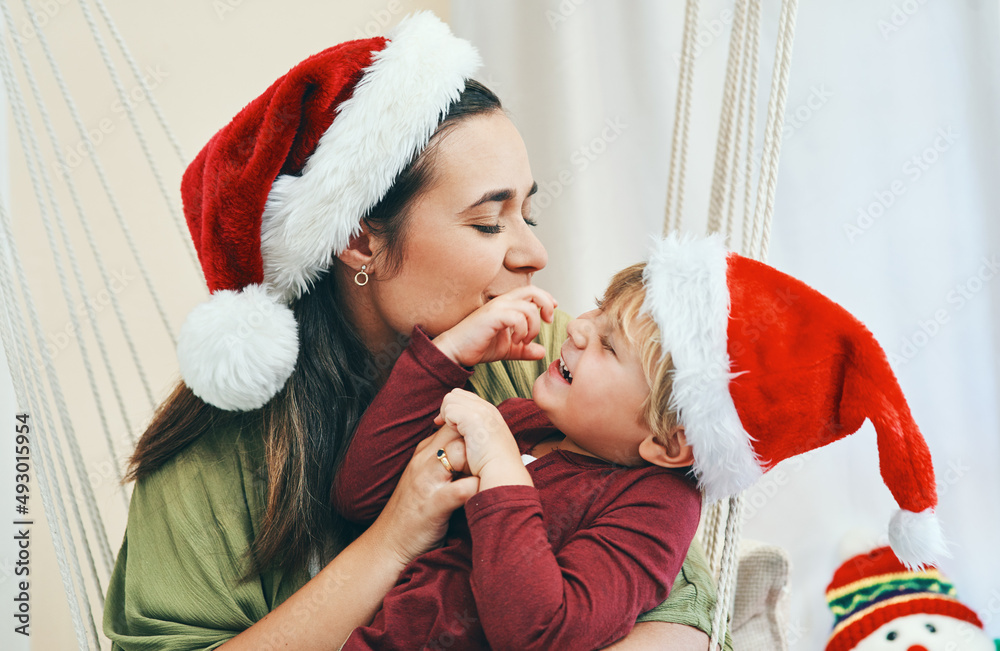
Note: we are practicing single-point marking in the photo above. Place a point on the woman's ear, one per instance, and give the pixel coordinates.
(670, 451)
(359, 251)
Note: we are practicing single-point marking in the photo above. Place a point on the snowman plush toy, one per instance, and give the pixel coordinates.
(878, 604)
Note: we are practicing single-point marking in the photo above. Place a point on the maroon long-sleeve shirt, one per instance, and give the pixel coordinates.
(567, 564)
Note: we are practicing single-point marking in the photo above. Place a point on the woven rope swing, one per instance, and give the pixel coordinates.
(84, 555)
(723, 521)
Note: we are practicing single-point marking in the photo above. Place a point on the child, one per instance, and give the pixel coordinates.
(757, 366)
(563, 554)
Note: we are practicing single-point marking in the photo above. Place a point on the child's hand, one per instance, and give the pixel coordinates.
(491, 452)
(504, 328)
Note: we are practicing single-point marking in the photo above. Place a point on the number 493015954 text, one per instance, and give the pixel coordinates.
(22, 566)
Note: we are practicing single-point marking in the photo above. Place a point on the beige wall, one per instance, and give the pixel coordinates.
(205, 60)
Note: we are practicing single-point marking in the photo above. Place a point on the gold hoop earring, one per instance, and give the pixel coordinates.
(361, 278)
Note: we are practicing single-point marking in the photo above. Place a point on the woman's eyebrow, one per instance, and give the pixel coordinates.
(505, 194)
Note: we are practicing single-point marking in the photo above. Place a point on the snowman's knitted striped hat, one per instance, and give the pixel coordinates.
(872, 589)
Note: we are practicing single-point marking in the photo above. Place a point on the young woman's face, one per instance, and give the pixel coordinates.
(468, 236)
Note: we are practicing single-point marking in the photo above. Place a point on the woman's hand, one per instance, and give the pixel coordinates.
(491, 452)
(504, 328)
(349, 590)
(416, 517)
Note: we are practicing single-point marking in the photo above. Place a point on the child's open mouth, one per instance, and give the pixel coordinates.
(565, 371)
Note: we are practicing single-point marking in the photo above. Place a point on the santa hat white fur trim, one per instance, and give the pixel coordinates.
(688, 297)
(917, 539)
(388, 120)
(237, 350)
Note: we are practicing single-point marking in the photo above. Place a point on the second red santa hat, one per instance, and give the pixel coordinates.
(768, 368)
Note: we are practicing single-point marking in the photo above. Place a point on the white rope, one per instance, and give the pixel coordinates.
(33, 156)
(764, 209)
(90, 500)
(787, 36)
(55, 527)
(756, 247)
(716, 525)
(99, 168)
(757, 223)
(727, 575)
(706, 528)
(724, 520)
(92, 242)
(748, 94)
(741, 116)
(59, 525)
(725, 140)
(139, 133)
(709, 524)
(678, 150)
(153, 104)
(97, 524)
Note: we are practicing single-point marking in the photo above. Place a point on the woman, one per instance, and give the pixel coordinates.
(333, 214)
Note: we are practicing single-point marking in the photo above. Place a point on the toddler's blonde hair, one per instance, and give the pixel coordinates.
(622, 304)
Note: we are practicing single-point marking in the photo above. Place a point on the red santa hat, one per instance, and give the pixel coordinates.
(281, 189)
(768, 368)
(872, 589)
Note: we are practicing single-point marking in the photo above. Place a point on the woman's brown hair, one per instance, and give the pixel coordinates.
(308, 425)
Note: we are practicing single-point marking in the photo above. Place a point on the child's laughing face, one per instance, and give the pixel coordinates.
(595, 391)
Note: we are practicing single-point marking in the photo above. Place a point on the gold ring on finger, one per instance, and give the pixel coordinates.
(443, 458)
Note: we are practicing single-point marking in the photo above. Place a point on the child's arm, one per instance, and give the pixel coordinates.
(402, 413)
(589, 593)
(399, 417)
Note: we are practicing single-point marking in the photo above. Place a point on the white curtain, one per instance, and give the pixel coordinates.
(887, 201)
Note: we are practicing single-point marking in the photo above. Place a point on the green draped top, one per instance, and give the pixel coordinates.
(176, 583)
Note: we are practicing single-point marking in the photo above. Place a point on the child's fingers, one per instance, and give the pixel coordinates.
(547, 307)
(456, 395)
(519, 325)
(449, 400)
(527, 351)
(447, 432)
(452, 407)
(534, 350)
(534, 324)
(455, 451)
(543, 300)
(521, 320)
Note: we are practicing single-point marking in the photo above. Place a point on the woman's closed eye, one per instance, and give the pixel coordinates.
(489, 229)
(493, 229)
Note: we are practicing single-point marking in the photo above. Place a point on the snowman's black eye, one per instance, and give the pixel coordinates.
(930, 627)
(891, 635)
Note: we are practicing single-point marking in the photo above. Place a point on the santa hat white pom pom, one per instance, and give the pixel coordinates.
(916, 539)
(237, 350)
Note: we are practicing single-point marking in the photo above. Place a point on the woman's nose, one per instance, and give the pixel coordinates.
(526, 253)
